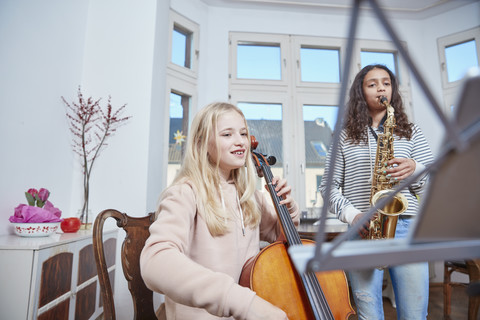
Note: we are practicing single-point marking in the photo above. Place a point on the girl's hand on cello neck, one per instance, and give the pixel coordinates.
(263, 310)
(284, 191)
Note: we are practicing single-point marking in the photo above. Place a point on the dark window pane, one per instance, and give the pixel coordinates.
(179, 106)
(319, 122)
(265, 123)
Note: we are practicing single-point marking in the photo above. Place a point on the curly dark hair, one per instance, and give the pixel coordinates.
(357, 116)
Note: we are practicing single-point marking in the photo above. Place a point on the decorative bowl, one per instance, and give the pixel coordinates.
(35, 229)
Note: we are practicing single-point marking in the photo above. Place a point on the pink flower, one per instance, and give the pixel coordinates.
(49, 207)
(38, 210)
(33, 192)
(31, 214)
(43, 194)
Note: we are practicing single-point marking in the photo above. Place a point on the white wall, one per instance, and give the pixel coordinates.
(41, 60)
(118, 61)
(48, 50)
(108, 47)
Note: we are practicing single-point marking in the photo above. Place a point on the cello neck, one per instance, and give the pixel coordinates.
(288, 227)
(314, 292)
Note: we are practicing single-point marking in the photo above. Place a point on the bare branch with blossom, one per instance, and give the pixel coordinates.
(91, 126)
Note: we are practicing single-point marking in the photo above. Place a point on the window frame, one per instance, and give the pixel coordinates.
(318, 43)
(181, 22)
(262, 39)
(293, 94)
(451, 40)
(180, 80)
(450, 89)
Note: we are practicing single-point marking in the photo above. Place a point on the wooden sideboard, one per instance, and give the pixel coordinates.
(52, 277)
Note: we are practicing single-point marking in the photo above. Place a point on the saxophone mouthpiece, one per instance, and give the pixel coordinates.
(383, 100)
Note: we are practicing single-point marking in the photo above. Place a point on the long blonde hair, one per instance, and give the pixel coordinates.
(198, 169)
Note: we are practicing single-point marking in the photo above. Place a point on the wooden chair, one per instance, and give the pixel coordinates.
(472, 269)
(136, 234)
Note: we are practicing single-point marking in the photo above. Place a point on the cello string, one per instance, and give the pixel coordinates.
(320, 300)
(311, 285)
(284, 215)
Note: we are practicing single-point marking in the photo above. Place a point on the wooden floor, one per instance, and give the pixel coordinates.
(435, 306)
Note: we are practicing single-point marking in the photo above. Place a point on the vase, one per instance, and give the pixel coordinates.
(40, 229)
(86, 220)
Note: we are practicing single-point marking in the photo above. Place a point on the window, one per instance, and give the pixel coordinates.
(183, 54)
(181, 89)
(459, 58)
(288, 87)
(319, 65)
(181, 46)
(179, 106)
(458, 53)
(368, 52)
(257, 61)
(319, 123)
(386, 58)
(264, 121)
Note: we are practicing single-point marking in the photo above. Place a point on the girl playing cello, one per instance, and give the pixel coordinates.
(210, 222)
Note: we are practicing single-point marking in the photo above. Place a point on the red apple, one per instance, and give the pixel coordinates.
(70, 225)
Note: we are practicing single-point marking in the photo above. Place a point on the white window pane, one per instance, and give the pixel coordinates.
(261, 111)
(319, 122)
(181, 47)
(385, 58)
(320, 65)
(459, 59)
(176, 109)
(259, 62)
(178, 48)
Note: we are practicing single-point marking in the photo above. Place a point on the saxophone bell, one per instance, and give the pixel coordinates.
(384, 225)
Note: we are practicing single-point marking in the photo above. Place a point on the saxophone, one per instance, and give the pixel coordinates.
(384, 223)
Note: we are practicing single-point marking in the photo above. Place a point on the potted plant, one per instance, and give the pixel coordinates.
(38, 218)
(91, 125)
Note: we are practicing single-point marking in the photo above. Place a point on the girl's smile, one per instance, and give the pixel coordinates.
(228, 146)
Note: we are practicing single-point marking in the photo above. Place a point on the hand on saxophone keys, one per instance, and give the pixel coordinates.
(400, 168)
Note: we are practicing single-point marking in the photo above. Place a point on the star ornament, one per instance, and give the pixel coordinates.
(179, 137)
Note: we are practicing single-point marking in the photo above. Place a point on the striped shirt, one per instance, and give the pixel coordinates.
(350, 192)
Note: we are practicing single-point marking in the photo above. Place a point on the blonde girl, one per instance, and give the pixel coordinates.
(210, 221)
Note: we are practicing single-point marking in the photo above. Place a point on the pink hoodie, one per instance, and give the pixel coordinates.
(199, 273)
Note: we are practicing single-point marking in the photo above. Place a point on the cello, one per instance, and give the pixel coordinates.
(272, 275)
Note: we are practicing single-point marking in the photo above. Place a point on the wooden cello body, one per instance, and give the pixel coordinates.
(272, 275)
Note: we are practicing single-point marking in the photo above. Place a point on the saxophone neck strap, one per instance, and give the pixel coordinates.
(380, 127)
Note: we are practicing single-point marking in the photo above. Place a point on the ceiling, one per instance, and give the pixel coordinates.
(413, 9)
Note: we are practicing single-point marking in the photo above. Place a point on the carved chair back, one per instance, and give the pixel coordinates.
(137, 232)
